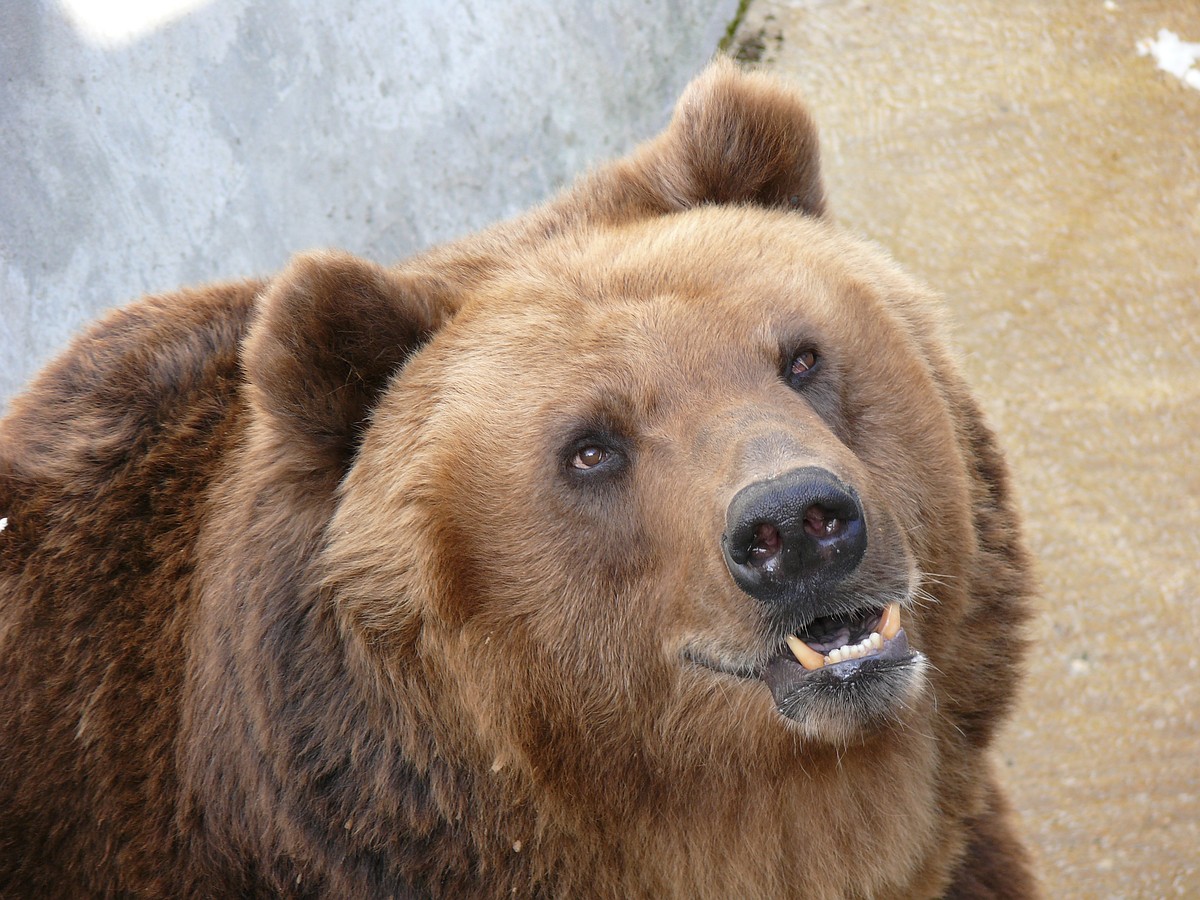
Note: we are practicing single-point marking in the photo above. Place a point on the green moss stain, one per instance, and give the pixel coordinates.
(734, 24)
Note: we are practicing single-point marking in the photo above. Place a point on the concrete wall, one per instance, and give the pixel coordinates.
(147, 144)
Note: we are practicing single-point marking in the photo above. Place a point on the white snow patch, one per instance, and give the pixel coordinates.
(3, 524)
(1173, 55)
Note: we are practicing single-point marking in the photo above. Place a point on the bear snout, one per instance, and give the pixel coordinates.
(791, 538)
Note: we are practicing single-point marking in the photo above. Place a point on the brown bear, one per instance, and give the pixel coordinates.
(648, 545)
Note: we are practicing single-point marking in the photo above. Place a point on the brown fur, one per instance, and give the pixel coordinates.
(298, 596)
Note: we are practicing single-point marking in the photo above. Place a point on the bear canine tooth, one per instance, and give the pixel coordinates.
(889, 625)
(805, 655)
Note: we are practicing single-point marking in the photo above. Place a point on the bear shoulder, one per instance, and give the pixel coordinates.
(161, 359)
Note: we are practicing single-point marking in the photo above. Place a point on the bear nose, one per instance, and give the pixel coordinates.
(792, 536)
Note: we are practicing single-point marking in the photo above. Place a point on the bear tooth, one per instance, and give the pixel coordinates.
(805, 655)
(876, 641)
(835, 655)
(889, 625)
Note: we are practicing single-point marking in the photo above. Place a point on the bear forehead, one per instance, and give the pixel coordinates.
(690, 289)
(708, 250)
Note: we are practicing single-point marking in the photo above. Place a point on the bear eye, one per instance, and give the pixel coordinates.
(804, 362)
(589, 457)
(597, 455)
(802, 366)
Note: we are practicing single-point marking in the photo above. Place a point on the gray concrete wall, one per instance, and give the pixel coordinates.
(217, 141)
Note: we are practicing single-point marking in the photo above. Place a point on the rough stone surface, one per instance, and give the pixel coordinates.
(221, 140)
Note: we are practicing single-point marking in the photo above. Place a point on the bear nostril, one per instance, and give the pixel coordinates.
(822, 523)
(766, 546)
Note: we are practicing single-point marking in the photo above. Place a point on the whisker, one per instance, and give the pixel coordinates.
(937, 578)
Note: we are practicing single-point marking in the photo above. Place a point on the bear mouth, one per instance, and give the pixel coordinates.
(836, 639)
(859, 656)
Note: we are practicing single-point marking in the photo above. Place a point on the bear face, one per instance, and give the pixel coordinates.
(647, 545)
(590, 432)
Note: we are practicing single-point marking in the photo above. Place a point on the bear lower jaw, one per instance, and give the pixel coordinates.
(849, 698)
(793, 684)
(841, 690)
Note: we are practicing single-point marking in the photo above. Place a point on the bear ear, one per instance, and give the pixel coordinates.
(739, 137)
(330, 332)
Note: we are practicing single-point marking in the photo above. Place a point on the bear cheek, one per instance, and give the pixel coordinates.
(933, 522)
(513, 559)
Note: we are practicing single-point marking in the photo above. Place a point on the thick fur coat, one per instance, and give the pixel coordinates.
(425, 581)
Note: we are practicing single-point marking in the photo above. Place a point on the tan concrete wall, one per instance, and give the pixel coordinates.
(1025, 160)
